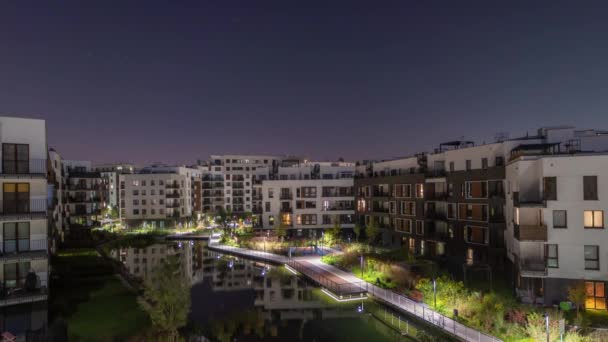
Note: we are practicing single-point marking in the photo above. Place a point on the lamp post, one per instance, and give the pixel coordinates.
(435, 292)
(547, 325)
(264, 244)
(361, 266)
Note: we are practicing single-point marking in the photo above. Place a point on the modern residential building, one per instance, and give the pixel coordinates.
(556, 234)
(309, 197)
(84, 192)
(23, 216)
(232, 182)
(111, 173)
(158, 195)
(451, 204)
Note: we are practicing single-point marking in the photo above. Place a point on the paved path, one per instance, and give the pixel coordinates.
(389, 297)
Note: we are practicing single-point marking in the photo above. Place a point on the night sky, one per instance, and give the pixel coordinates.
(175, 81)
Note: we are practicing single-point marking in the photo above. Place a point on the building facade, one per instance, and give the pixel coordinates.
(23, 219)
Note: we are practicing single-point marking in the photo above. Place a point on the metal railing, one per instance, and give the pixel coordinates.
(22, 246)
(33, 206)
(35, 166)
(344, 289)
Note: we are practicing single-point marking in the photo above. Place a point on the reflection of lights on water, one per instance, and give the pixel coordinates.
(230, 264)
(179, 245)
(191, 243)
(217, 257)
(360, 308)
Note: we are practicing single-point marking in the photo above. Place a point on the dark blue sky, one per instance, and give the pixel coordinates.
(176, 80)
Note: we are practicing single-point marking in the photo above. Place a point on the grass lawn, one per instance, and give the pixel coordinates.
(95, 304)
(110, 313)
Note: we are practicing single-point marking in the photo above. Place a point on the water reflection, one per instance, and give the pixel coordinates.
(252, 301)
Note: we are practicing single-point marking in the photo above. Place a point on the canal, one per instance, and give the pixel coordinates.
(236, 299)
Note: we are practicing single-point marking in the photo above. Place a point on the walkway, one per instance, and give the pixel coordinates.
(389, 297)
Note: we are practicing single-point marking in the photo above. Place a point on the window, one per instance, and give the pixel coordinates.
(16, 237)
(451, 166)
(15, 158)
(270, 193)
(592, 257)
(419, 190)
(309, 191)
(15, 273)
(135, 192)
(551, 256)
(308, 219)
(16, 198)
(420, 227)
(476, 189)
(408, 208)
(590, 188)
(143, 183)
(403, 225)
(468, 166)
(135, 211)
(135, 202)
(484, 163)
(476, 235)
(500, 161)
(267, 206)
(560, 219)
(596, 297)
(550, 188)
(594, 219)
(452, 210)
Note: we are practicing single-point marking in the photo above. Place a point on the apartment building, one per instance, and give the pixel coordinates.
(84, 193)
(309, 197)
(158, 196)
(111, 173)
(23, 216)
(450, 204)
(233, 182)
(556, 236)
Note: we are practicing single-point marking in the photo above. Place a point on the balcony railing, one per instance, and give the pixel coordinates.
(25, 208)
(530, 232)
(286, 209)
(436, 215)
(171, 195)
(83, 187)
(30, 167)
(22, 248)
(286, 196)
(381, 194)
(173, 186)
(532, 267)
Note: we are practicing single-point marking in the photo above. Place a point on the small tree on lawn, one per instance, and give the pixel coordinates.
(282, 230)
(577, 294)
(167, 298)
(372, 231)
(336, 233)
(357, 231)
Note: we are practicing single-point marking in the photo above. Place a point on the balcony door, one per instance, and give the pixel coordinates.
(15, 158)
(16, 237)
(15, 273)
(16, 198)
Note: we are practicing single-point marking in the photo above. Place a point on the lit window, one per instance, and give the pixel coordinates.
(594, 219)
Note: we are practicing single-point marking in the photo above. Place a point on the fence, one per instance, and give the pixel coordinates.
(344, 289)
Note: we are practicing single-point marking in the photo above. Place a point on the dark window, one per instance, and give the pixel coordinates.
(551, 256)
(15, 273)
(560, 219)
(550, 188)
(468, 166)
(16, 237)
(15, 158)
(451, 166)
(592, 257)
(590, 188)
(500, 161)
(484, 163)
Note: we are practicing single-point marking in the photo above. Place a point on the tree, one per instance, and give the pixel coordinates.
(336, 233)
(357, 231)
(577, 294)
(167, 298)
(372, 231)
(282, 230)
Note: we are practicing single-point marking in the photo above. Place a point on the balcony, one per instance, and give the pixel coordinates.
(83, 187)
(381, 193)
(23, 250)
(172, 195)
(84, 199)
(530, 232)
(21, 296)
(436, 196)
(26, 209)
(172, 205)
(380, 210)
(286, 195)
(26, 168)
(169, 185)
(286, 210)
(338, 208)
(436, 215)
(533, 268)
(528, 202)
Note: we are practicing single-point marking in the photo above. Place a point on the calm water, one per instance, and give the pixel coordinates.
(235, 299)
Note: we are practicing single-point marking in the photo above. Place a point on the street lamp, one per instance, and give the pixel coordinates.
(435, 292)
(547, 325)
(361, 266)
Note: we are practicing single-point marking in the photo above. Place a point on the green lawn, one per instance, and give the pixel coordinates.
(95, 304)
(110, 313)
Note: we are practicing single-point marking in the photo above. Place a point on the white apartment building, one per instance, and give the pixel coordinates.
(111, 173)
(310, 197)
(161, 197)
(240, 173)
(23, 214)
(556, 225)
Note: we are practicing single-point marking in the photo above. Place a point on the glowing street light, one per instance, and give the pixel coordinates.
(435, 292)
